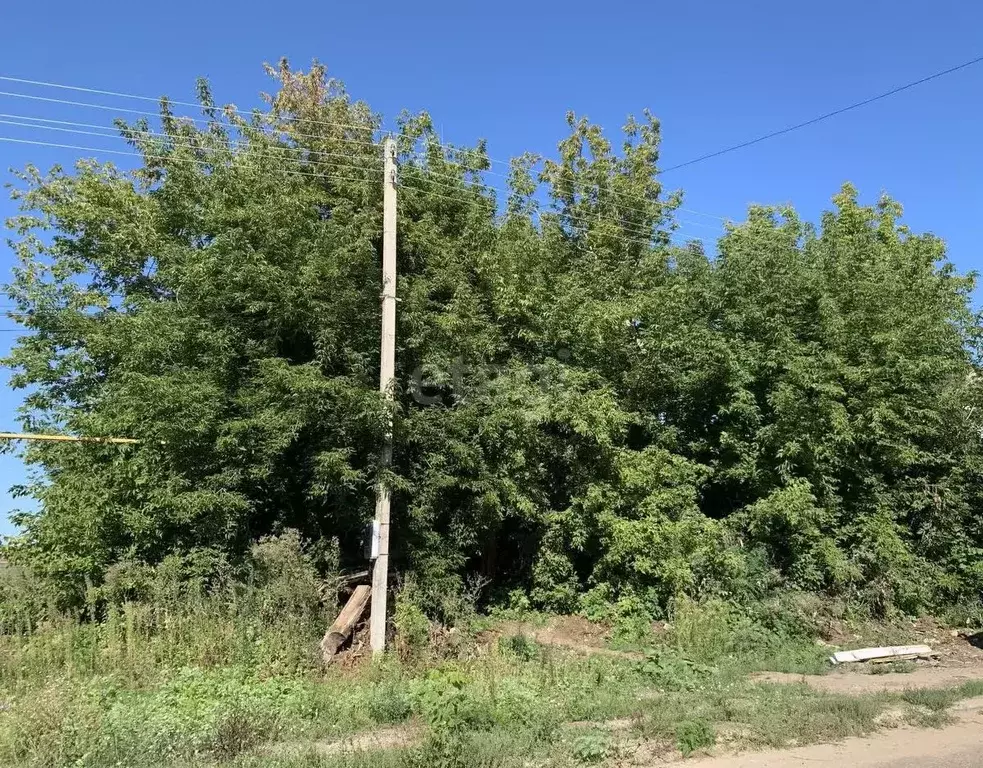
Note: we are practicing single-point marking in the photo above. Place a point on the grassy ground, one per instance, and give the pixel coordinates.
(162, 670)
(222, 686)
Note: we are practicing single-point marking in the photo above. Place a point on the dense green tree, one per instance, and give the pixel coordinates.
(584, 412)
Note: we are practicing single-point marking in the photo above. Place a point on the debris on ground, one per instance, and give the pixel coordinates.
(884, 653)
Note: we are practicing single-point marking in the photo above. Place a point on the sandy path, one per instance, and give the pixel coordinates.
(956, 746)
(856, 684)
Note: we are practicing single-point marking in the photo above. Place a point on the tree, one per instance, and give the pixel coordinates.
(585, 411)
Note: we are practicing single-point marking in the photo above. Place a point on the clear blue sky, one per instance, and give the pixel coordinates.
(716, 72)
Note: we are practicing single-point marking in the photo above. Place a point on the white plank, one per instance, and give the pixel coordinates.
(887, 652)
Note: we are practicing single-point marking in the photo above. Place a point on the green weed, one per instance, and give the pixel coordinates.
(388, 703)
(692, 735)
(519, 646)
(592, 747)
(670, 671)
(940, 699)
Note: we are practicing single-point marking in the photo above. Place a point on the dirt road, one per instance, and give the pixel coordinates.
(956, 746)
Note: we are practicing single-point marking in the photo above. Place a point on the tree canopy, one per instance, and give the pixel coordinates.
(587, 414)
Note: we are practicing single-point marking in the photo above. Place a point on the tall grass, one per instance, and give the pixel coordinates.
(144, 621)
(179, 666)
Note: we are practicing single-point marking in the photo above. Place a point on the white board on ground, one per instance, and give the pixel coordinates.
(888, 652)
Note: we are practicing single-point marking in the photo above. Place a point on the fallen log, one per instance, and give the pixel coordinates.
(889, 653)
(342, 627)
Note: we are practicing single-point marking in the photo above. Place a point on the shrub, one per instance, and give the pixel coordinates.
(389, 702)
(448, 703)
(592, 747)
(286, 579)
(703, 631)
(671, 672)
(519, 646)
(412, 625)
(692, 735)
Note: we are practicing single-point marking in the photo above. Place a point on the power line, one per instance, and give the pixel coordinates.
(628, 226)
(147, 113)
(181, 142)
(236, 110)
(82, 89)
(144, 112)
(196, 121)
(825, 116)
(172, 158)
(613, 192)
(115, 131)
(203, 121)
(641, 236)
(156, 99)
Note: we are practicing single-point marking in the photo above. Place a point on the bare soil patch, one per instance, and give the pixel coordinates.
(394, 737)
(573, 633)
(858, 683)
(959, 660)
(949, 747)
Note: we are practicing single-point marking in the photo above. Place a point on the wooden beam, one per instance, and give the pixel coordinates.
(342, 628)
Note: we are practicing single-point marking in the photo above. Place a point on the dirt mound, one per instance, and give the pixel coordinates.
(573, 633)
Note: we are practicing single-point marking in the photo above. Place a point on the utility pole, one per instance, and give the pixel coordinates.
(387, 366)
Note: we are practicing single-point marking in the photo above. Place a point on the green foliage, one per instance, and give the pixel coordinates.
(185, 612)
(519, 646)
(389, 703)
(790, 524)
(592, 747)
(226, 708)
(940, 699)
(584, 416)
(219, 714)
(692, 735)
(707, 631)
(671, 672)
(448, 705)
(412, 625)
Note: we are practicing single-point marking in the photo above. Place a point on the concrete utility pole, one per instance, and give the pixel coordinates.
(380, 571)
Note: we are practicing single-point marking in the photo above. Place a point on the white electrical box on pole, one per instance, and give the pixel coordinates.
(387, 368)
